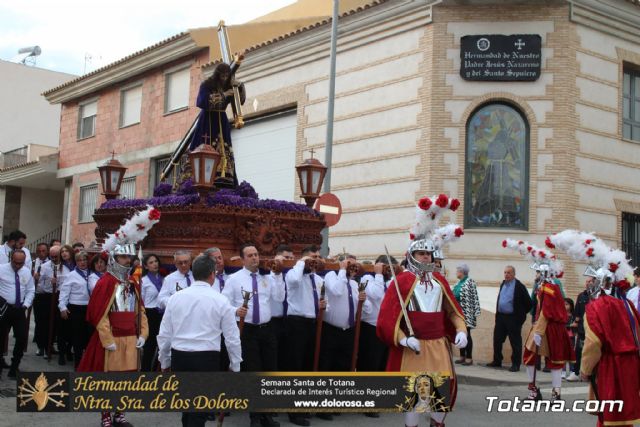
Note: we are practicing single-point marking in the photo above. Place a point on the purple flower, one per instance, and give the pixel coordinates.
(172, 200)
(187, 187)
(162, 189)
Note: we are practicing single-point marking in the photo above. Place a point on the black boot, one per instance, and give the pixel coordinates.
(13, 370)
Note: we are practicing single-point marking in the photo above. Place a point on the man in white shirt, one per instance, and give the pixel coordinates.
(16, 240)
(633, 294)
(17, 292)
(178, 280)
(73, 301)
(338, 331)
(259, 345)
(42, 304)
(221, 280)
(279, 310)
(39, 310)
(188, 345)
(303, 305)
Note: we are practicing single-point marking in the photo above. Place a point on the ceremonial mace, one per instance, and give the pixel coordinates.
(52, 309)
(356, 337)
(319, 319)
(402, 307)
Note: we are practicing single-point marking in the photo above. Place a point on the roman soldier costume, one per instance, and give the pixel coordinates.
(548, 335)
(116, 310)
(611, 352)
(419, 316)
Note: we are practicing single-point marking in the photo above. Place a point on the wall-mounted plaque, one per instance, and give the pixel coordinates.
(495, 57)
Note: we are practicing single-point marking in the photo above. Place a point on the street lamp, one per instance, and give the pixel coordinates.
(311, 175)
(111, 174)
(204, 162)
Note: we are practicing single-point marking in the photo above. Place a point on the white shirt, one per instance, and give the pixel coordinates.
(376, 288)
(270, 288)
(150, 292)
(193, 321)
(277, 307)
(5, 251)
(632, 296)
(337, 293)
(93, 280)
(47, 273)
(37, 265)
(300, 292)
(8, 285)
(216, 284)
(74, 290)
(171, 282)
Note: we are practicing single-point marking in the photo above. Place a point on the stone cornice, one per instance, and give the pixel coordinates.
(134, 66)
(619, 19)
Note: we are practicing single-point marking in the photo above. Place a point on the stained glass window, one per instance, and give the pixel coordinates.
(496, 171)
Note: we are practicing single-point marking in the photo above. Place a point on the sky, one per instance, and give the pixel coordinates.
(77, 37)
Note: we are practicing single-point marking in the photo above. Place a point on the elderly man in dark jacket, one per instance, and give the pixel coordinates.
(511, 311)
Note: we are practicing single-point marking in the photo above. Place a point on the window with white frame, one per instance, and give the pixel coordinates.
(88, 200)
(177, 90)
(128, 188)
(130, 105)
(87, 119)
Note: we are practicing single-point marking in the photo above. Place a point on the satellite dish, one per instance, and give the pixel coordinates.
(28, 55)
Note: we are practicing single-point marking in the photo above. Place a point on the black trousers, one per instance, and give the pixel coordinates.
(154, 317)
(507, 326)
(81, 330)
(579, 346)
(301, 334)
(468, 350)
(14, 318)
(259, 348)
(194, 361)
(372, 355)
(64, 333)
(41, 316)
(280, 332)
(336, 348)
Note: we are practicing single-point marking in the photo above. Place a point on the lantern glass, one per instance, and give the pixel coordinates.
(196, 171)
(115, 177)
(315, 174)
(103, 177)
(303, 181)
(208, 169)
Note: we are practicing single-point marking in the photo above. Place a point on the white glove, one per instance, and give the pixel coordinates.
(234, 367)
(461, 340)
(411, 343)
(140, 342)
(111, 347)
(537, 339)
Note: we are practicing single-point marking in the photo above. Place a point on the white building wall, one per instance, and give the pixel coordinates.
(40, 212)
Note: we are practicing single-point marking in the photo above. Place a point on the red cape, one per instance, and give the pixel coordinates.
(99, 304)
(552, 303)
(618, 372)
(390, 319)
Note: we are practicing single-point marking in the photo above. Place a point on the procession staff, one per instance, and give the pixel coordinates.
(259, 344)
(49, 279)
(548, 334)
(73, 301)
(151, 285)
(42, 256)
(303, 305)
(185, 345)
(343, 297)
(17, 292)
(178, 280)
(423, 295)
(611, 353)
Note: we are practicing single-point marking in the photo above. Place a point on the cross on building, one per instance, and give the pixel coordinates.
(519, 44)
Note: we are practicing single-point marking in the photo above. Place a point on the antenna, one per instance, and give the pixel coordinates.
(27, 55)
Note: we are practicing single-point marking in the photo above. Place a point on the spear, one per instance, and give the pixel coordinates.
(402, 307)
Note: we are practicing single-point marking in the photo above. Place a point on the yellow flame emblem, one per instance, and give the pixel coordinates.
(41, 393)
